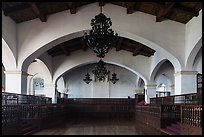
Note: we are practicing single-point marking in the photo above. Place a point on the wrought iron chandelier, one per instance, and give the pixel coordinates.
(114, 78)
(100, 71)
(87, 78)
(101, 38)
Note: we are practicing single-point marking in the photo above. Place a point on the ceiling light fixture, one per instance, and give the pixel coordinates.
(101, 38)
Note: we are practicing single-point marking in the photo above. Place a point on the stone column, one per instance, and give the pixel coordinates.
(150, 92)
(185, 82)
(50, 91)
(16, 82)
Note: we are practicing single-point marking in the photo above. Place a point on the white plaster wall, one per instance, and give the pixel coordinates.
(61, 85)
(125, 86)
(193, 34)
(167, 69)
(156, 62)
(47, 60)
(79, 89)
(198, 62)
(8, 59)
(168, 34)
(9, 33)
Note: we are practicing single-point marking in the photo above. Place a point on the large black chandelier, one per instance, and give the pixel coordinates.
(101, 38)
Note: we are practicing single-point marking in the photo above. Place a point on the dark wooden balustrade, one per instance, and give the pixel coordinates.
(14, 99)
(100, 108)
(192, 115)
(191, 98)
(170, 114)
(191, 119)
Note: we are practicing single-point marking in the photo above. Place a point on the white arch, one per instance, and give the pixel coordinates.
(47, 76)
(134, 37)
(158, 65)
(8, 58)
(192, 55)
(91, 62)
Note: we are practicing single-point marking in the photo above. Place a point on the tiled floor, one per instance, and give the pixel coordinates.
(100, 127)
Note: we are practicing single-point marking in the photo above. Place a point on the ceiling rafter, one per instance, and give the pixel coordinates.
(186, 10)
(14, 9)
(137, 50)
(38, 11)
(73, 8)
(130, 7)
(164, 10)
(177, 11)
(65, 51)
(118, 46)
(83, 46)
(101, 3)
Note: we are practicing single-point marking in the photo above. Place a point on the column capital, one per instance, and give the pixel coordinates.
(50, 85)
(16, 72)
(185, 72)
(150, 86)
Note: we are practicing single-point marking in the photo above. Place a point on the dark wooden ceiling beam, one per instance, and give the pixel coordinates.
(164, 10)
(186, 11)
(118, 46)
(73, 8)
(83, 45)
(15, 9)
(130, 7)
(38, 11)
(101, 3)
(137, 50)
(65, 51)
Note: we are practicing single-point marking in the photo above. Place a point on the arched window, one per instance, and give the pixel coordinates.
(161, 90)
(38, 86)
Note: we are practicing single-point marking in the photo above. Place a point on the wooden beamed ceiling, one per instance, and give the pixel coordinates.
(181, 12)
(67, 47)
(177, 11)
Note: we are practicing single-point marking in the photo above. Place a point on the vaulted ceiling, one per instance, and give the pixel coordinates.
(177, 11)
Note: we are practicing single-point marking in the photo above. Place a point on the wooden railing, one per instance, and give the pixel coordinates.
(90, 108)
(151, 110)
(10, 116)
(191, 115)
(42, 116)
(14, 99)
(170, 114)
(192, 98)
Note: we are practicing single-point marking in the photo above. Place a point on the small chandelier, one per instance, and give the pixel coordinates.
(87, 78)
(101, 38)
(100, 71)
(114, 78)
